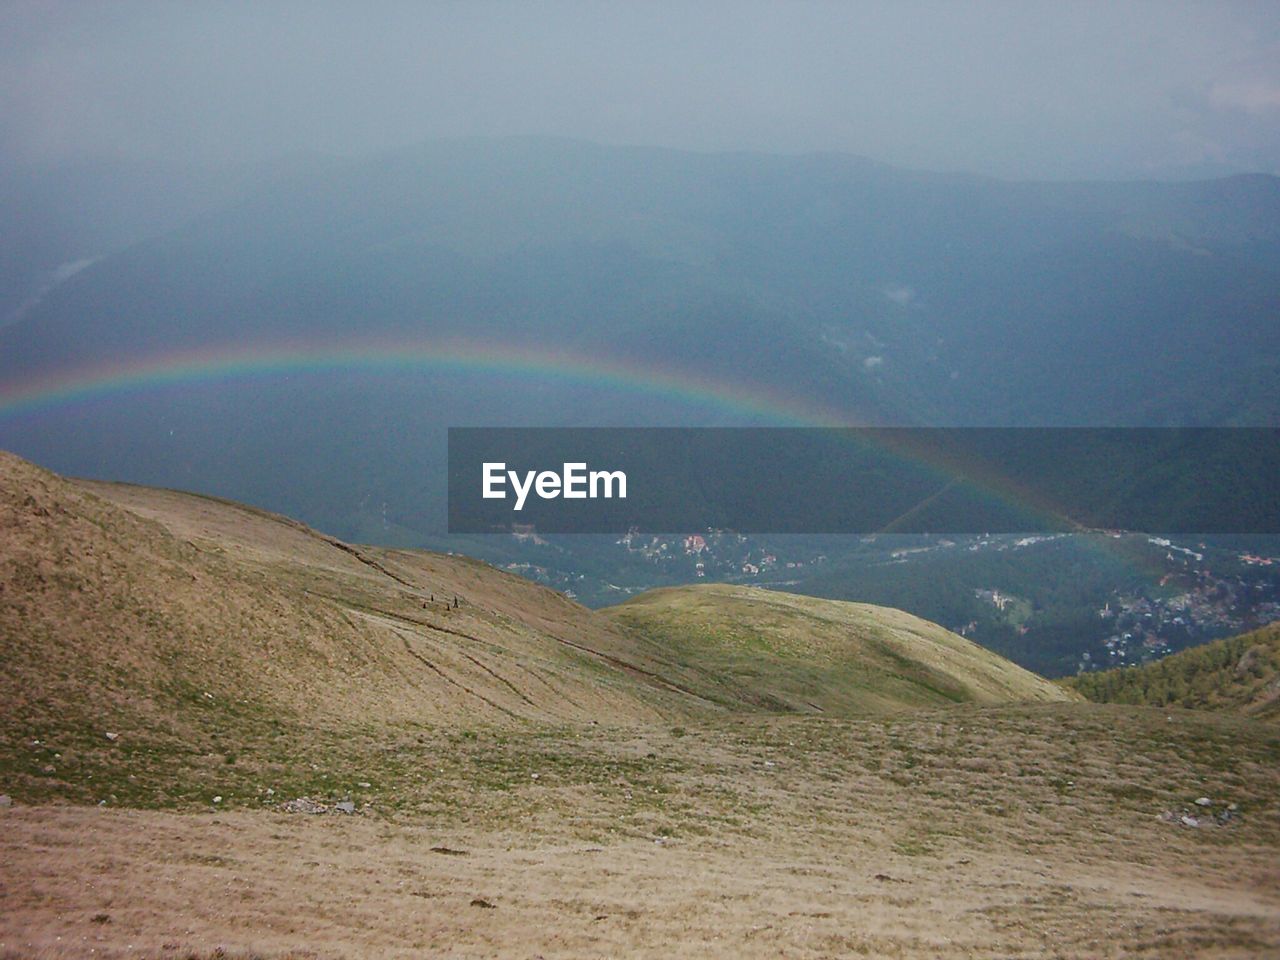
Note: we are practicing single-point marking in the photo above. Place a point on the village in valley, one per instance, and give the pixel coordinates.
(718, 554)
(1186, 605)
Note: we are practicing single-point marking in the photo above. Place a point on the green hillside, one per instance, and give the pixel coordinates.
(1237, 673)
(744, 646)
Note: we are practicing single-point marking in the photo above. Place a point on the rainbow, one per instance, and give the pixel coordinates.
(215, 364)
(175, 370)
(47, 393)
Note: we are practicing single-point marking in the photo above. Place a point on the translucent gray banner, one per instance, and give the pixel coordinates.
(864, 480)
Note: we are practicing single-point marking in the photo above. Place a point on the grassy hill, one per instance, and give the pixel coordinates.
(748, 647)
(1240, 674)
(211, 638)
(202, 632)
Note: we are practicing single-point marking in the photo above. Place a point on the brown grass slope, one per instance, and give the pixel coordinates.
(745, 646)
(1239, 674)
(510, 648)
(1031, 831)
(124, 607)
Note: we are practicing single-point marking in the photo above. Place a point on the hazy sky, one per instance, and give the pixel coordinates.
(1063, 89)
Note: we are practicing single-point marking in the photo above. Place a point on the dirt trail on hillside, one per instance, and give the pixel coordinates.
(130, 883)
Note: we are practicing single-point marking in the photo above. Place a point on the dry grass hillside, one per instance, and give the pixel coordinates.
(309, 757)
(508, 650)
(204, 631)
(130, 605)
(195, 629)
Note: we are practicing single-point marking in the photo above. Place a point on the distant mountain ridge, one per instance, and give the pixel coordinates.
(826, 281)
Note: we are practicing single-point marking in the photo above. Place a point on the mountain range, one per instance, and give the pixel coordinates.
(298, 337)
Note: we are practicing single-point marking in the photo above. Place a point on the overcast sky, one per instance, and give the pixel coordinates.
(1026, 90)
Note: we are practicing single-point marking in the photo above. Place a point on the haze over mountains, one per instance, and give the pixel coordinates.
(818, 287)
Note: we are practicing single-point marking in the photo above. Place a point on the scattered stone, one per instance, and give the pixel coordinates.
(533, 776)
(6, 801)
(1189, 821)
(365, 784)
(1204, 802)
(345, 806)
(483, 904)
(217, 799)
(450, 852)
(303, 805)
(113, 737)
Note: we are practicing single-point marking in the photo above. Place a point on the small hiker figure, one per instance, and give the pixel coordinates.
(455, 601)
